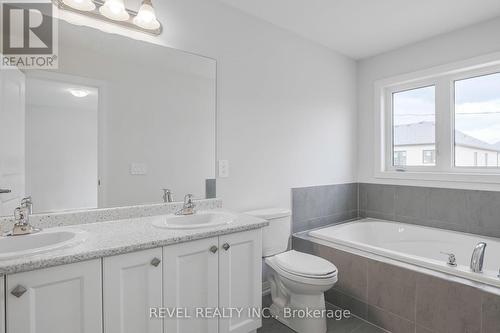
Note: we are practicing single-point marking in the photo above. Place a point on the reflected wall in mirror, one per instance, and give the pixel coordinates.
(119, 120)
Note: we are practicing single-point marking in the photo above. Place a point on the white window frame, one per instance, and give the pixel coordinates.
(443, 78)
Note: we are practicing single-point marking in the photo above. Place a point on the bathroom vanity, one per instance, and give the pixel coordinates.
(121, 275)
(93, 144)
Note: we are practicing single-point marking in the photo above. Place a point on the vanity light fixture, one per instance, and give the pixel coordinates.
(146, 17)
(83, 5)
(114, 11)
(79, 92)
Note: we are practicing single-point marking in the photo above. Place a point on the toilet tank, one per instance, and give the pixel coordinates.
(275, 237)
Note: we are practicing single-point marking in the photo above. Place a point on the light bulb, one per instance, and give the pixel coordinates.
(114, 10)
(79, 92)
(146, 17)
(83, 5)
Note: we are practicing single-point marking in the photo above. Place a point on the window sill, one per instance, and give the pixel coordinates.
(441, 176)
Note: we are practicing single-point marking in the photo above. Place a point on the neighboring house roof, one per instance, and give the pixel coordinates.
(424, 133)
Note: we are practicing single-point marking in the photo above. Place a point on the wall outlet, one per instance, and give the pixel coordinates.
(223, 168)
(138, 169)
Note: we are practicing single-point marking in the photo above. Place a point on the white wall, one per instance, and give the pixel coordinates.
(61, 157)
(459, 45)
(286, 106)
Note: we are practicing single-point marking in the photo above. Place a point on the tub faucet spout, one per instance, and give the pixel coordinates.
(476, 262)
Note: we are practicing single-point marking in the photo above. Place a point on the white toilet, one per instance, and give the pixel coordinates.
(297, 280)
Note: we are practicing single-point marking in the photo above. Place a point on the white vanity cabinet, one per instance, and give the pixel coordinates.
(2, 304)
(132, 284)
(60, 299)
(219, 272)
(191, 279)
(240, 279)
(115, 294)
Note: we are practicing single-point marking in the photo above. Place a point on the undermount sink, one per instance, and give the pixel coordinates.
(44, 241)
(197, 220)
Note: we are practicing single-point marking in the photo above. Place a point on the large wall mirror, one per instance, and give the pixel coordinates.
(117, 122)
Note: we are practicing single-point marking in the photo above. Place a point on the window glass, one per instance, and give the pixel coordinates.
(400, 158)
(477, 121)
(414, 126)
(429, 157)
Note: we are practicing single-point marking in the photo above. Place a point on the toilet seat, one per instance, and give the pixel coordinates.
(304, 264)
(303, 268)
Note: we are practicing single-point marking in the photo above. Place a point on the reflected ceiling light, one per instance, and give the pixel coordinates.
(83, 5)
(79, 92)
(146, 17)
(114, 10)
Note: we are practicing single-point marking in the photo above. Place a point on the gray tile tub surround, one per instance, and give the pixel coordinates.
(352, 324)
(472, 211)
(59, 219)
(318, 206)
(401, 300)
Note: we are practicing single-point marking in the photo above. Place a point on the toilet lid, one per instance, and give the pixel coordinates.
(304, 264)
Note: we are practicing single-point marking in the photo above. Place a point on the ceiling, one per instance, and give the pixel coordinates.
(363, 28)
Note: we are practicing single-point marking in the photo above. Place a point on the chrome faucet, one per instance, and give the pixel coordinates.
(27, 204)
(476, 262)
(22, 214)
(188, 207)
(167, 195)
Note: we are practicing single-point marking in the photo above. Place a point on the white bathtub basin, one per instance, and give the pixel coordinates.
(418, 245)
(44, 241)
(198, 220)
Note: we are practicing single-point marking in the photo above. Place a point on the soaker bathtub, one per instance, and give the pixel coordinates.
(418, 245)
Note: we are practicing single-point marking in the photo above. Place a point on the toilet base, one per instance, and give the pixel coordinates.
(298, 324)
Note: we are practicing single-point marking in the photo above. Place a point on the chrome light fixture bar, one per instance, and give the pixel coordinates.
(113, 12)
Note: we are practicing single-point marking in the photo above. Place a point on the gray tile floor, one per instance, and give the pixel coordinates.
(349, 325)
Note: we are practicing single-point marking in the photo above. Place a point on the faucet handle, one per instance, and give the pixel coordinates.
(452, 259)
(27, 203)
(167, 195)
(18, 214)
(188, 199)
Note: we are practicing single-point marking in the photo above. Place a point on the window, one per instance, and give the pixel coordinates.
(400, 158)
(413, 124)
(429, 157)
(441, 124)
(477, 119)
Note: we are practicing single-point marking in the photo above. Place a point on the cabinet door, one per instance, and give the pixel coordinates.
(132, 285)
(2, 305)
(60, 299)
(190, 273)
(240, 280)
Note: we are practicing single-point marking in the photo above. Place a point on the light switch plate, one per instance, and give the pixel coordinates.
(138, 169)
(223, 168)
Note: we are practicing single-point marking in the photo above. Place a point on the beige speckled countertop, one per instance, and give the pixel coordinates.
(110, 238)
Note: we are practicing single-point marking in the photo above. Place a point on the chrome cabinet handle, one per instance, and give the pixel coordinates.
(213, 249)
(18, 291)
(4, 190)
(226, 246)
(155, 262)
